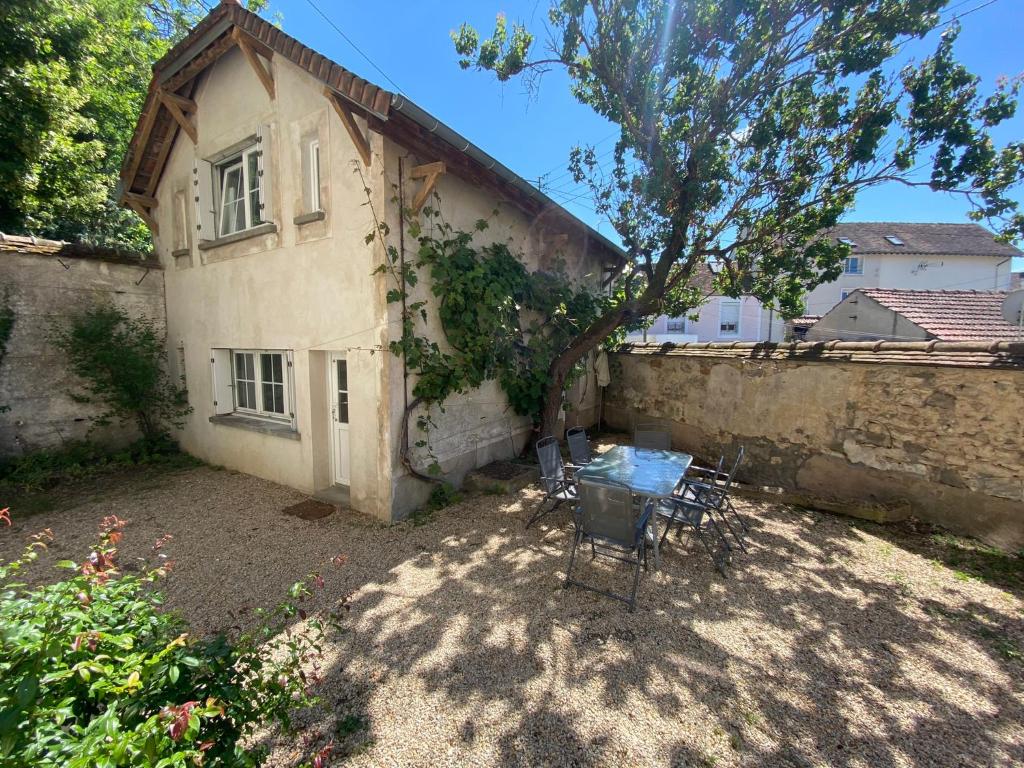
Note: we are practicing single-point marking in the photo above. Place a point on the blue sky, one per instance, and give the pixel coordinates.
(533, 133)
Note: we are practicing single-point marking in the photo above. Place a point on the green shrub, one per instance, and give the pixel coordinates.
(123, 362)
(94, 673)
(81, 459)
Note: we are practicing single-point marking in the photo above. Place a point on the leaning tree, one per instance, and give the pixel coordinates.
(746, 127)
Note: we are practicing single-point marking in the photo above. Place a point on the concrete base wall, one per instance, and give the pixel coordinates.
(880, 440)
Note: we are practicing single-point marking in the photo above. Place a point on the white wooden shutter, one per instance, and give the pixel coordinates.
(202, 184)
(264, 171)
(223, 394)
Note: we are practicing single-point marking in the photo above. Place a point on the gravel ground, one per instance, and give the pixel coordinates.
(831, 643)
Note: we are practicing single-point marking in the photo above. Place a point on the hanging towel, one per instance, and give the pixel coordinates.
(604, 377)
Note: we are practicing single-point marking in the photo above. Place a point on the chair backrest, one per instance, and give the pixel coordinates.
(654, 436)
(579, 446)
(606, 510)
(731, 477)
(549, 456)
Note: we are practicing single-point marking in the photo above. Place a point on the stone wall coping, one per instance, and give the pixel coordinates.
(957, 354)
(28, 245)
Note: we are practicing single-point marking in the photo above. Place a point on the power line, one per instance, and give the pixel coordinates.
(358, 50)
(966, 13)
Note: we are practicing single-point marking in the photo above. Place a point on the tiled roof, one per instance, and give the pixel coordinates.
(922, 239)
(956, 354)
(948, 315)
(37, 246)
(804, 321)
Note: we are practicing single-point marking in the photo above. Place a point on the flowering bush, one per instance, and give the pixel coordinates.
(94, 673)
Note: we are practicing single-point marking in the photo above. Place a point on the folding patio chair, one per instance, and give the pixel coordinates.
(615, 526)
(696, 511)
(559, 487)
(652, 435)
(701, 483)
(579, 446)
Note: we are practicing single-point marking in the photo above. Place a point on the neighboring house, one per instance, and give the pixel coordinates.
(252, 162)
(882, 255)
(877, 313)
(721, 318)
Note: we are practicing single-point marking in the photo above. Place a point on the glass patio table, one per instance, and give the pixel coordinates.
(649, 473)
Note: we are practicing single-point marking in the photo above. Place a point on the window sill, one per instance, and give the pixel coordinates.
(264, 426)
(263, 229)
(309, 218)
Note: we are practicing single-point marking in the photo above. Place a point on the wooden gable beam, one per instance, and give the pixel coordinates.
(249, 46)
(349, 121)
(429, 174)
(143, 205)
(177, 105)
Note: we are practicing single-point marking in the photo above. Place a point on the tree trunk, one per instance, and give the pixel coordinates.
(560, 367)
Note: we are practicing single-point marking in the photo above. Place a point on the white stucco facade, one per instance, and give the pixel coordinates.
(304, 286)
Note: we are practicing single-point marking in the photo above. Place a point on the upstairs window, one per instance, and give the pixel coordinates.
(894, 240)
(676, 325)
(853, 266)
(847, 241)
(238, 181)
(314, 175)
(729, 317)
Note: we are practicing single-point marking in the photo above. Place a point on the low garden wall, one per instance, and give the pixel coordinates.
(42, 282)
(884, 430)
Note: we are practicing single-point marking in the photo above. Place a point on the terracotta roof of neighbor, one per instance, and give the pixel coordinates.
(948, 315)
(922, 239)
(804, 321)
(38, 246)
(393, 115)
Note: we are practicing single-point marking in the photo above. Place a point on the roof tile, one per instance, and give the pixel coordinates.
(949, 315)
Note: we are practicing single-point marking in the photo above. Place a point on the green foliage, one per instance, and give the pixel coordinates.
(502, 322)
(73, 78)
(122, 361)
(747, 127)
(93, 670)
(81, 459)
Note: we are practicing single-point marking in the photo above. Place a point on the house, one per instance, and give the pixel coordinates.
(261, 166)
(882, 255)
(877, 313)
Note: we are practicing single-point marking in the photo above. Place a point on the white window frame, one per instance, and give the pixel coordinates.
(250, 184)
(843, 293)
(858, 269)
(260, 411)
(722, 304)
(675, 325)
(314, 176)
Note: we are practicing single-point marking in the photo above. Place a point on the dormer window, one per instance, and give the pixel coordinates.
(894, 240)
(847, 241)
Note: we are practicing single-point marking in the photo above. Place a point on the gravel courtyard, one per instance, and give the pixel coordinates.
(831, 643)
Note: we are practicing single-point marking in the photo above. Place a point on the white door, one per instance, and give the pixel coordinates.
(339, 420)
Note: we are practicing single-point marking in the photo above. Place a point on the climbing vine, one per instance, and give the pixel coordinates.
(502, 322)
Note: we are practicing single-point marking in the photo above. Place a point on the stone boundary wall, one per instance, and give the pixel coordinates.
(44, 281)
(884, 430)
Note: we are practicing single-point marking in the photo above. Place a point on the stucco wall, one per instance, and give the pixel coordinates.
(479, 426)
(942, 443)
(34, 380)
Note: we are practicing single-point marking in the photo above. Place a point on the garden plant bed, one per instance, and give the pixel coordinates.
(833, 642)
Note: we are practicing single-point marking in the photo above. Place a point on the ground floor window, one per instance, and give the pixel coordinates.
(259, 382)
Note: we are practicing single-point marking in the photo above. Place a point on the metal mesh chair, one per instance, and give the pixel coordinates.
(703, 483)
(697, 513)
(559, 487)
(579, 446)
(615, 527)
(654, 436)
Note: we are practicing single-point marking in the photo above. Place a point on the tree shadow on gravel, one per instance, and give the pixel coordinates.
(827, 644)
